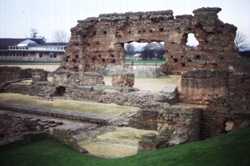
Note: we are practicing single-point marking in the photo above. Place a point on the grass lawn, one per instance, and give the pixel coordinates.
(227, 150)
(73, 105)
(246, 59)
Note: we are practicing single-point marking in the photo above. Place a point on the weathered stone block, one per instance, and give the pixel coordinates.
(78, 78)
(13, 73)
(123, 79)
(39, 75)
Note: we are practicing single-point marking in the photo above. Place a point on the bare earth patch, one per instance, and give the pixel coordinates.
(143, 84)
(48, 67)
(151, 84)
(121, 142)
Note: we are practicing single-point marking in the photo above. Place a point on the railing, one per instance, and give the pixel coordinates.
(20, 58)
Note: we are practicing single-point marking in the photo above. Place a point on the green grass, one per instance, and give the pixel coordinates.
(227, 150)
(246, 59)
(73, 105)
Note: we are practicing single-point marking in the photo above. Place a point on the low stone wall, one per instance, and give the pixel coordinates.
(13, 73)
(144, 71)
(39, 75)
(218, 114)
(178, 124)
(79, 116)
(78, 78)
(66, 137)
(105, 94)
(121, 96)
(42, 89)
(16, 131)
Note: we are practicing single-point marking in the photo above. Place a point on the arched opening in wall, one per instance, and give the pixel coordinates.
(144, 52)
(229, 124)
(60, 91)
(191, 40)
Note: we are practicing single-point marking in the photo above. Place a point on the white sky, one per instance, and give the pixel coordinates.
(17, 17)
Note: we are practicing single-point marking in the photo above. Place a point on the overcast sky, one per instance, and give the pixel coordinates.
(17, 17)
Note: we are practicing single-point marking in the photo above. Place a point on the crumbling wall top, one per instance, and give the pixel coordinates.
(99, 41)
(207, 10)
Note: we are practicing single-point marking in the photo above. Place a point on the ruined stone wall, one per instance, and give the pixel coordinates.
(78, 78)
(39, 75)
(178, 124)
(202, 86)
(123, 79)
(18, 130)
(227, 94)
(99, 40)
(118, 95)
(41, 89)
(13, 73)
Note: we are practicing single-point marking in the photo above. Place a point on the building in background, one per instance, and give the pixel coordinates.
(31, 50)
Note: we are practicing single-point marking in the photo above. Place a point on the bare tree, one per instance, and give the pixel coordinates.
(129, 48)
(33, 33)
(240, 41)
(60, 36)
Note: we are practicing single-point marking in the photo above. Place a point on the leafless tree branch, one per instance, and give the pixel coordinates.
(60, 36)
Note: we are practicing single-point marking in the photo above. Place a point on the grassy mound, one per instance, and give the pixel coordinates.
(227, 150)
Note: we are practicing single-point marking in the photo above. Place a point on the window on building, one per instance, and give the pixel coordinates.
(40, 55)
(52, 55)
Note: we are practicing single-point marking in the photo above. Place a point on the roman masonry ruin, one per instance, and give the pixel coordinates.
(214, 85)
(99, 41)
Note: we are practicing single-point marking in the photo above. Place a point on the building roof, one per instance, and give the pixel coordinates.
(26, 43)
(6, 42)
(157, 46)
(54, 44)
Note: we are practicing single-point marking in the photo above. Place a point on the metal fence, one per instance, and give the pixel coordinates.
(20, 58)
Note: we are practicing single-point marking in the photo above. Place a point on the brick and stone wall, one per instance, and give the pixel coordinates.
(39, 75)
(42, 89)
(202, 86)
(226, 92)
(13, 73)
(123, 79)
(18, 130)
(178, 124)
(78, 78)
(88, 47)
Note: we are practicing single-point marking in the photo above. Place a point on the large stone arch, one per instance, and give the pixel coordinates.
(99, 40)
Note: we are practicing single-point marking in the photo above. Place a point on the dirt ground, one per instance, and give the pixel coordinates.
(151, 84)
(48, 67)
(143, 84)
(121, 142)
